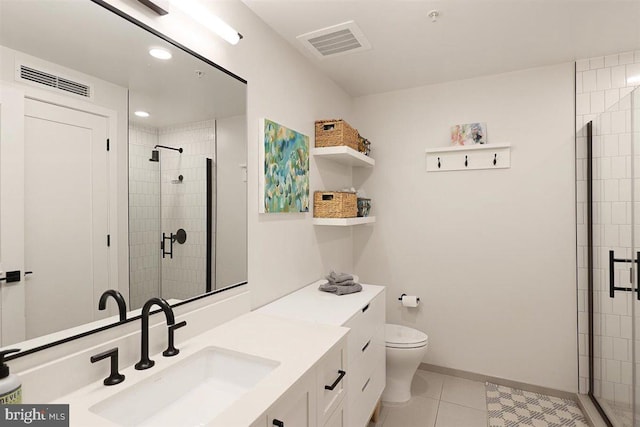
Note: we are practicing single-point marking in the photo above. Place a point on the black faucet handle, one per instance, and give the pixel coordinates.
(171, 349)
(115, 377)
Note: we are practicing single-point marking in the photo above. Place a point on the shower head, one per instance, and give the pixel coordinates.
(155, 156)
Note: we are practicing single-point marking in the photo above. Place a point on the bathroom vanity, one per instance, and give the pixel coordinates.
(279, 369)
(309, 359)
(364, 314)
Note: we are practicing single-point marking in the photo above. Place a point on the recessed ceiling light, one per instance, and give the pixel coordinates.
(634, 79)
(141, 114)
(160, 53)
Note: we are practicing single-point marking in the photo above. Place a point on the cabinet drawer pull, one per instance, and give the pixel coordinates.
(366, 384)
(335, 383)
(278, 423)
(365, 308)
(366, 345)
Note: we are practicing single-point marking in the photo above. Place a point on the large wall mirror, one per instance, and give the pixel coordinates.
(118, 170)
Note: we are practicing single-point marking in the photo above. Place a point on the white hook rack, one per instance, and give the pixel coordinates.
(471, 157)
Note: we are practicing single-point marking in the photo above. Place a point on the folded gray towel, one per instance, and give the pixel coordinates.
(345, 283)
(339, 277)
(340, 289)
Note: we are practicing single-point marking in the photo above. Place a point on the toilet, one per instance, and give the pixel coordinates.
(405, 349)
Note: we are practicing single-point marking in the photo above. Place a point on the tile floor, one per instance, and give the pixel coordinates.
(439, 401)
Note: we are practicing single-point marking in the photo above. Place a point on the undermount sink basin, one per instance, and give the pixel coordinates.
(190, 393)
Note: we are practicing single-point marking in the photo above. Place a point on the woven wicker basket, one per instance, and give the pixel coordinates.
(334, 133)
(335, 204)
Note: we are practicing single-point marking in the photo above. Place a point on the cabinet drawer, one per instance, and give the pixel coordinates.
(332, 381)
(338, 418)
(370, 360)
(364, 324)
(296, 407)
(362, 405)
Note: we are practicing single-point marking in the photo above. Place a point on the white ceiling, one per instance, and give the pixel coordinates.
(86, 37)
(471, 37)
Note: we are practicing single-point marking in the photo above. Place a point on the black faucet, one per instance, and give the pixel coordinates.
(122, 305)
(145, 362)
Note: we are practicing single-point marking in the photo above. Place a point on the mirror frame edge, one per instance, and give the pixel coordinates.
(169, 40)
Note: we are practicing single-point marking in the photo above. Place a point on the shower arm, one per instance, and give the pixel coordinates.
(180, 150)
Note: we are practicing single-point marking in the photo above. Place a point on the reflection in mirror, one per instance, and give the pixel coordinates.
(118, 170)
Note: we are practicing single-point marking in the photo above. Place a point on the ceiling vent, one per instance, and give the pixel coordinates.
(336, 40)
(43, 78)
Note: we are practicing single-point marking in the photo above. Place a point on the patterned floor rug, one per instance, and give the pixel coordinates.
(511, 407)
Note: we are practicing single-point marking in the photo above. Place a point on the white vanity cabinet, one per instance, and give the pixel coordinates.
(331, 380)
(316, 399)
(297, 407)
(364, 314)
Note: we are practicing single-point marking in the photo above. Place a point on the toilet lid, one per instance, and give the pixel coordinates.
(398, 336)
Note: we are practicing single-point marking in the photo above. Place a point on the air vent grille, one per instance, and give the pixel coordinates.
(335, 40)
(51, 80)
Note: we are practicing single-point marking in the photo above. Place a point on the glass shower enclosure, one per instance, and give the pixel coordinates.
(171, 213)
(612, 169)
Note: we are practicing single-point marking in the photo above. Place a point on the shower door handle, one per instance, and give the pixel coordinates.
(163, 245)
(612, 286)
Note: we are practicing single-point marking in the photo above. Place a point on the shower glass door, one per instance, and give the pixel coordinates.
(634, 129)
(184, 188)
(613, 241)
(172, 195)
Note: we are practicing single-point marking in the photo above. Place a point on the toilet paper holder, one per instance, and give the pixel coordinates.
(404, 295)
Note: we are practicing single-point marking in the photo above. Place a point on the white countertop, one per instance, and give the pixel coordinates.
(296, 345)
(312, 305)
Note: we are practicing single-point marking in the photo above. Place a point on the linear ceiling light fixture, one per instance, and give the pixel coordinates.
(202, 15)
(158, 6)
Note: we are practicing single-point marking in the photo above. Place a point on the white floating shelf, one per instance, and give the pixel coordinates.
(344, 222)
(345, 155)
(472, 157)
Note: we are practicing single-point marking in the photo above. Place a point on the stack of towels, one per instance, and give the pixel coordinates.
(340, 284)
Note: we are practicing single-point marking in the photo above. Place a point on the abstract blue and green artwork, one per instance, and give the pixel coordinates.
(286, 169)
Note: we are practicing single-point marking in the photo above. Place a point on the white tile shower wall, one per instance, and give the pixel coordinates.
(184, 205)
(602, 85)
(144, 216)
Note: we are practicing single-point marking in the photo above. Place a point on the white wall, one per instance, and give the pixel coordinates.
(491, 253)
(285, 250)
(231, 201)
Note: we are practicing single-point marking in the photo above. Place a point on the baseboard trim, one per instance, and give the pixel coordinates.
(500, 381)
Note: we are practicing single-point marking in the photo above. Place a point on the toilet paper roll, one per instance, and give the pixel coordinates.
(410, 301)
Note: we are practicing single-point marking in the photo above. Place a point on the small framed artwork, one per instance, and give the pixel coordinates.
(469, 134)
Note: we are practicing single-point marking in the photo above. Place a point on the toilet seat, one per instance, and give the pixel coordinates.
(398, 336)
